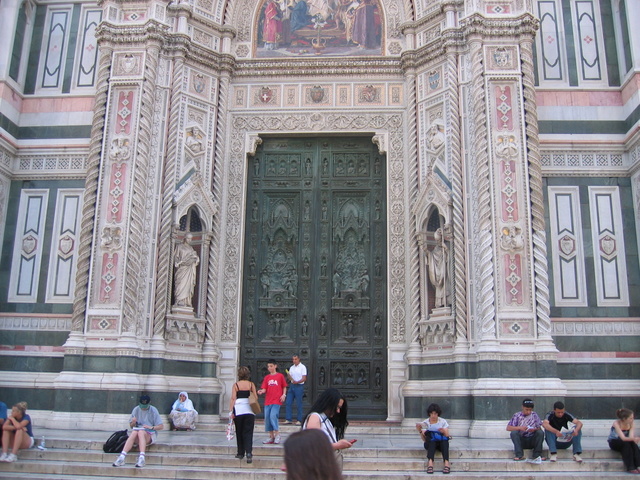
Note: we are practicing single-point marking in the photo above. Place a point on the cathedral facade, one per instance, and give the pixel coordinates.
(428, 200)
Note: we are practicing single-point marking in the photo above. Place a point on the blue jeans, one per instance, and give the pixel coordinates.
(554, 444)
(271, 414)
(295, 392)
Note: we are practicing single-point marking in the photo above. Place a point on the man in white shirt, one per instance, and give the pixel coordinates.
(297, 375)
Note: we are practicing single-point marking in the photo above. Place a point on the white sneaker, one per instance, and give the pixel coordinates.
(536, 461)
(140, 463)
(553, 457)
(119, 461)
(3, 457)
(11, 458)
(277, 439)
(577, 458)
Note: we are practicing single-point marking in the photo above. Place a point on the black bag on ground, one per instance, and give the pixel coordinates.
(115, 442)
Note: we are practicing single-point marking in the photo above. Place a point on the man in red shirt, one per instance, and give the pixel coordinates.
(275, 387)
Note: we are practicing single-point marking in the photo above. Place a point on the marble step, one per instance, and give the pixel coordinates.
(356, 452)
(273, 460)
(89, 471)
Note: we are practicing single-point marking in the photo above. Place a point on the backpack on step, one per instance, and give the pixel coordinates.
(115, 442)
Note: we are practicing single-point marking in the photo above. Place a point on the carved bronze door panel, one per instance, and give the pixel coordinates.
(314, 266)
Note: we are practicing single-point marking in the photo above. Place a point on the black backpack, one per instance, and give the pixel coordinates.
(115, 442)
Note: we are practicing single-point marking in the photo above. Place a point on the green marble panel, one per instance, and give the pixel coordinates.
(611, 54)
(102, 401)
(601, 343)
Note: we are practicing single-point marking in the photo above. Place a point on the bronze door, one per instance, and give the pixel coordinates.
(314, 266)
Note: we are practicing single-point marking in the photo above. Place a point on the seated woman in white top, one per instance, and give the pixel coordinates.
(183, 415)
(435, 435)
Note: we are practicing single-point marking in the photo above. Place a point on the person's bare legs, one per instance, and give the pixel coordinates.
(20, 440)
(128, 445)
(6, 440)
(143, 439)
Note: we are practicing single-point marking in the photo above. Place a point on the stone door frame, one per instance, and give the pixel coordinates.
(388, 131)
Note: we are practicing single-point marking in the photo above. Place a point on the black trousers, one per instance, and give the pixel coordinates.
(244, 433)
(432, 445)
(630, 453)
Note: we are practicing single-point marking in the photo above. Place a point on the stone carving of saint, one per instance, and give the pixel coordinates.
(305, 327)
(364, 283)
(435, 136)
(185, 261)
(337, 284)
(265, 281)
(250, 327)
(321, 376)
(377, 326)
(437, 262)
(323, 326)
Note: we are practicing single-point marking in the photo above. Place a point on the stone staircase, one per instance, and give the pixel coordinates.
(388, 457)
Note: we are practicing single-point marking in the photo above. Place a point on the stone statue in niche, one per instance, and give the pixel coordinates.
(364, 283)
(435, 136)
(278, 320)
(437, 261)
(362, 377)
(321, 376)
(194, 140)
(350, 380)
(337, 284)
(265, 282)
(338, 377)
(323, 326)
(304, 331)
(378, 377)
(377, 326)
(250, 327)
(186, 261)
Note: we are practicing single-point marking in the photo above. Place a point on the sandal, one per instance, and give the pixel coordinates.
(518, 459)
(430, 469)
(446, 470)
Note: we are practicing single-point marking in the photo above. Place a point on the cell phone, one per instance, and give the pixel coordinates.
(353, 441)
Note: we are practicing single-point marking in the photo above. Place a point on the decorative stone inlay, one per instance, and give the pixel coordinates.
(596, 328)
(568, 161)
(57, 323)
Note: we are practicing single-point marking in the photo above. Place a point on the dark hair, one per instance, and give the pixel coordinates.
(558, 406)
(327, 403)
(623, 413)
(527, 402)
(244, 373)
(308, 455)
(271, 360)
(434, 407)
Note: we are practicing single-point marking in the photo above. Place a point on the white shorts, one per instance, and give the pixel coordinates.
(32, 442)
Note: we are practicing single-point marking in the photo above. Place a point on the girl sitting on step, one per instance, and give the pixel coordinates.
(16, 432)
(622, 438)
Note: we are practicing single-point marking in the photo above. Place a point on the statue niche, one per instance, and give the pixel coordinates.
(436, 330)
(185, 324)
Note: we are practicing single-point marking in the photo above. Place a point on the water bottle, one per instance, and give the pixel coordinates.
(42, 444)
